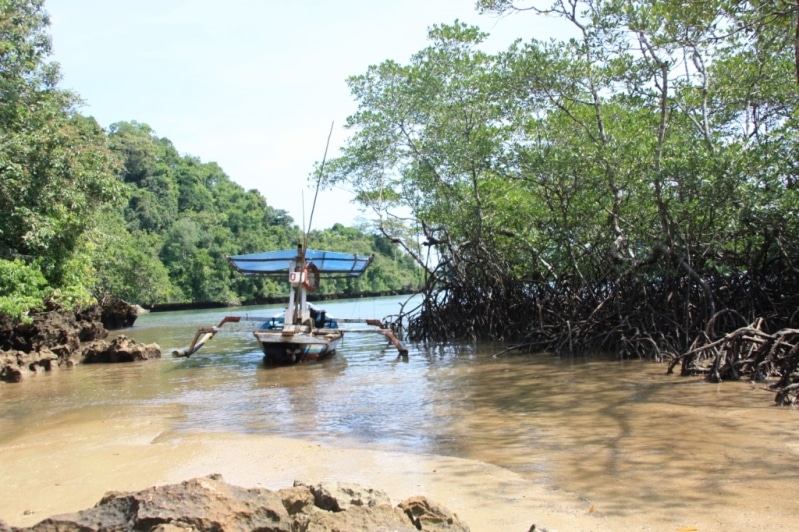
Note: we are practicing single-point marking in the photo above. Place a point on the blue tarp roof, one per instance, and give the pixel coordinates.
(278, 262)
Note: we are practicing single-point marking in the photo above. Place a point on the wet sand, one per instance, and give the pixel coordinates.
(69, 466)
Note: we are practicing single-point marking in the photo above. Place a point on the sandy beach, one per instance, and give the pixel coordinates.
(58, 471)
(69, 467)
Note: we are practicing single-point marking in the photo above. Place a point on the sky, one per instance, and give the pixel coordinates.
(253, 85)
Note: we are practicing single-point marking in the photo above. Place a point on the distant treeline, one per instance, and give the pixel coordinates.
(189, 216)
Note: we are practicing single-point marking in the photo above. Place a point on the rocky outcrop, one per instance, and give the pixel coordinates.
(118, 314)
(62, 339)
(429, 515)
(120, 349)
(210, 504)
(16, 365)
(59, 332)
(50, 340)
(342, 496)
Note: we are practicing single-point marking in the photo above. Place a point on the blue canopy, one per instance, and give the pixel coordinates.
(276, 263)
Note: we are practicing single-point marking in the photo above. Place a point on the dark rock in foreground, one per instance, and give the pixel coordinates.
(210, 504)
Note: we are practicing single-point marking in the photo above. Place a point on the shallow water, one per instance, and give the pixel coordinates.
(622, 436)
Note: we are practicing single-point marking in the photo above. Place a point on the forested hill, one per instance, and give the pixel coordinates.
(183, 217)
(86, 212)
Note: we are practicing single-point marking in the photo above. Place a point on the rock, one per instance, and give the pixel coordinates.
(202, 504)
(379, 517)
(60, 332)
(297, 499)
(47, 329)
(66, 350)
(340, 496)
(41, 360)
(120, 349)
(171, 527)
(56, 338)
(429, 515)
(17, 365)
(10, 369)
(91, 330)
(210, 504)
(117, 314)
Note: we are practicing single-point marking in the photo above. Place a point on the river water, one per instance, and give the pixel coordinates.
(622, 437)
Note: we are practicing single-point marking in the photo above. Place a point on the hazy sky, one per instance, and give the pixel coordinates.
(251, 84)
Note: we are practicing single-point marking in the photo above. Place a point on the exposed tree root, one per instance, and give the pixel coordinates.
(663, 317)
(748, 352)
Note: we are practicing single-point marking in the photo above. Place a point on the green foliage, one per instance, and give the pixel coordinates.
(22, 288)
(659, 141)
(184, 217)
(190, 215)
(127, 263)
(427, 139)
(120, 213)
(577, 145)
(55, 169)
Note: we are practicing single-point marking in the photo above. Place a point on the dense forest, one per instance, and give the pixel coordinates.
(630, 189)
(182, 218)
(87, 212)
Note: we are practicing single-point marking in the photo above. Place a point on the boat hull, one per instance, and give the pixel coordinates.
(285, 349)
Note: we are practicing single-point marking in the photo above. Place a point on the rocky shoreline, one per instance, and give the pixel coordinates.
(58, 339)
(210, 504)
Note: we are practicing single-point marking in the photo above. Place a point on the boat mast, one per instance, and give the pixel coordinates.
(298, 304)
(297, 309)
(303, 313)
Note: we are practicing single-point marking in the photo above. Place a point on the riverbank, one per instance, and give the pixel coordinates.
(68, 467)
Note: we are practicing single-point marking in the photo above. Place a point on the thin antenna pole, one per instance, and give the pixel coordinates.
(302, 198)
(318, 182)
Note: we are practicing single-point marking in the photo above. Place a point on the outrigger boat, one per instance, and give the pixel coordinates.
(303, 332)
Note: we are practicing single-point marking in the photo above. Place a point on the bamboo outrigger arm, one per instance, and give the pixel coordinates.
(381, 329)
(203, 335)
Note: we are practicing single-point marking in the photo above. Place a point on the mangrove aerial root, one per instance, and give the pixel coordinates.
(671, 316)
(747, 352)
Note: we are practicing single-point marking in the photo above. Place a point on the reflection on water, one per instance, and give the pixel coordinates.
(624, 434)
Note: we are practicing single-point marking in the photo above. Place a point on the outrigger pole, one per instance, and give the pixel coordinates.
(202, 335)
(206, 333)
(381, 329)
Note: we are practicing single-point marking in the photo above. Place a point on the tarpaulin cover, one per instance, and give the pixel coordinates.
(279, 262)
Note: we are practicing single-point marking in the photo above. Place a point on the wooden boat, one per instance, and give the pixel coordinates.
(302, 332)
(299, 345)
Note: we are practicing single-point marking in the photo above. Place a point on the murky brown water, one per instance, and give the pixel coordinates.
(623, 438)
